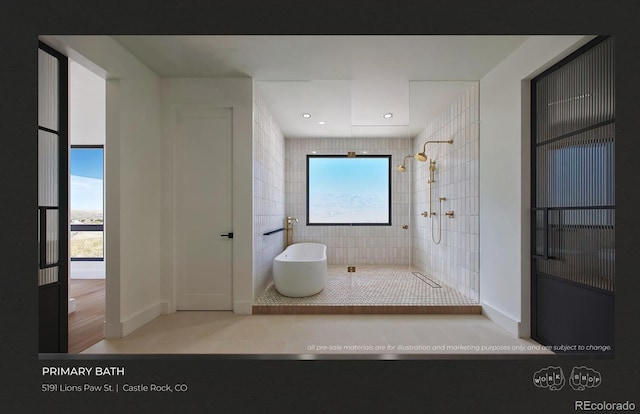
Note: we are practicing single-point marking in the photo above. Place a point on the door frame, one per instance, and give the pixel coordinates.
(603, 297)
(62, 284)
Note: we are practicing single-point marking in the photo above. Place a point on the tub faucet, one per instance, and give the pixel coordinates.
(289, 240)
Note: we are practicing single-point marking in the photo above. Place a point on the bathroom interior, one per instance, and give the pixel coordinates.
(425, 257)
(406, 158)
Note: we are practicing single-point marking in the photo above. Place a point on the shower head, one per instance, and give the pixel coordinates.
(422, 156)
(401, 168)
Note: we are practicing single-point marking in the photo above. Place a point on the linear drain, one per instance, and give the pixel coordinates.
(426, 280)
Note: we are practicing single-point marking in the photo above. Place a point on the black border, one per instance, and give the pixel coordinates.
(388, 157)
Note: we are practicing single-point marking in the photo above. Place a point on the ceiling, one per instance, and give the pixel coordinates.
(348, 82)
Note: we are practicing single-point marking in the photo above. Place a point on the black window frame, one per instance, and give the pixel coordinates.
(88, 227)
(390, 215)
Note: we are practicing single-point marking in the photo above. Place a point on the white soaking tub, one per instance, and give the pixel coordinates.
(300, 270)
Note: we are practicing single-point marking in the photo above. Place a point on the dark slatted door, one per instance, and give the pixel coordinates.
(53, 216)
(573, 203)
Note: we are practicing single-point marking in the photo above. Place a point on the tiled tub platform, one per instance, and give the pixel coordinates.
(372, 290)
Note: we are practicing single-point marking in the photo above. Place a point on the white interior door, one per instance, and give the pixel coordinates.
(203, 208)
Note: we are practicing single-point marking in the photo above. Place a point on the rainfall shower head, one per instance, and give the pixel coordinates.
(422, 156)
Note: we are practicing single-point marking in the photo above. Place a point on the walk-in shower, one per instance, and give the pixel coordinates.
(393, 261)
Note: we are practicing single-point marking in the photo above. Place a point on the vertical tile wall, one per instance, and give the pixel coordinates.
(358, 244)
(268, 192)
(455, 261)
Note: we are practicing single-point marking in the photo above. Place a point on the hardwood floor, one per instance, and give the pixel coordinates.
(86, 324)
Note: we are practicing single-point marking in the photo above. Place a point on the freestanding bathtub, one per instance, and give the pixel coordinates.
(300, 270)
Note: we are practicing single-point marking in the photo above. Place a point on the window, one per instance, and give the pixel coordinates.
(86, 241)
(349, 191)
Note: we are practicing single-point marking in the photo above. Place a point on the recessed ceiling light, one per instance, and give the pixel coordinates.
(364, 152)
(321, 123)
(313, 152)
(387, 115)
(306, 115)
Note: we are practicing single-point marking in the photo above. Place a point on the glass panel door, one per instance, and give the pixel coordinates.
(52, 199)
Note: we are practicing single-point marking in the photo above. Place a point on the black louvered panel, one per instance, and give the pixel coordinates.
(574, 208)
(581, 247)
(578, 95)
(52, 214)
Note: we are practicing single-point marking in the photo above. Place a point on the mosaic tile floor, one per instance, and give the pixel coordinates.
(373, 285)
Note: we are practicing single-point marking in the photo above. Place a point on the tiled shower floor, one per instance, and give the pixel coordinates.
(372, 289)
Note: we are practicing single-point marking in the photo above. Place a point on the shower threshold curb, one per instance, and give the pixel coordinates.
(366, 309)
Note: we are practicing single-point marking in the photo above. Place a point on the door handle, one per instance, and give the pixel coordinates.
(229, 235)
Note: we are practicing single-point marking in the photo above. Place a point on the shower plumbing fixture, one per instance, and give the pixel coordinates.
(439, 223)
(289, 226)
(401, 168)
(422, 156)
(432, 170)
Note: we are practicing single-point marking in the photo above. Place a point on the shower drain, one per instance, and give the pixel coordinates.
(426, 280)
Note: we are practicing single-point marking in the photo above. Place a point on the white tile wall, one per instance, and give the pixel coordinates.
(357, 245)
(455, 260)
(268, 192)
(280, 190)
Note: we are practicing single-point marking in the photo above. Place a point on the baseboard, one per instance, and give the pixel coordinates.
(501, 319)
(242, 307)
(141, 318)
(112, 330)
(72, 305)
(166, 308)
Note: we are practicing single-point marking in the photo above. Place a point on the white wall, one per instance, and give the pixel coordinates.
(504, 179)
(87, 126)
(87, 106)
(455, 260)
(132, 179)
(234, 93)
(268, 192)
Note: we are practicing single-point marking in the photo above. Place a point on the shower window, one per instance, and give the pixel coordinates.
(344, 191)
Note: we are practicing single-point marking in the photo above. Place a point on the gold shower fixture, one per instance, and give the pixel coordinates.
(401, 167)
(432, 170)
(422, 156)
